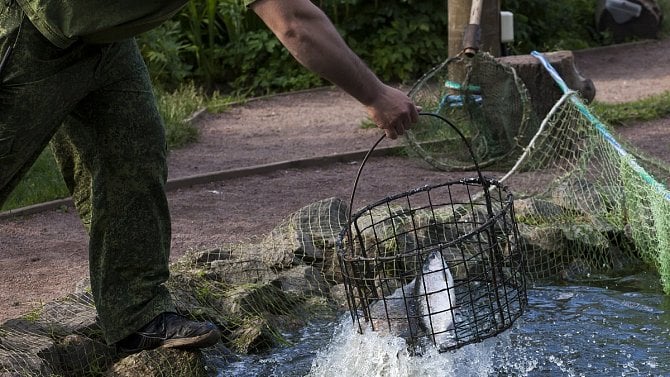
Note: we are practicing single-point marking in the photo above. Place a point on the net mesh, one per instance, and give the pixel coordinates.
(594, 197)
(600, 202)
(586, 205)
(486, 100)
(260, 293)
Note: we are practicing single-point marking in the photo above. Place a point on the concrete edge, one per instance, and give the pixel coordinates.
(217, 176)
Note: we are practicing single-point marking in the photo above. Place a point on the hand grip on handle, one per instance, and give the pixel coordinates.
(436, 117)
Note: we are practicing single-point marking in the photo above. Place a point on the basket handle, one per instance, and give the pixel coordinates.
(483, 181)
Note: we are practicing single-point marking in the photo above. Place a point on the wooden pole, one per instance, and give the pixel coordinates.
(459, 17)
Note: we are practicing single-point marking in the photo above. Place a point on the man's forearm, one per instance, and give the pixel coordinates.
(313, 40)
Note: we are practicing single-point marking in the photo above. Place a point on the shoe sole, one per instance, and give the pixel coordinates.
(201, 341)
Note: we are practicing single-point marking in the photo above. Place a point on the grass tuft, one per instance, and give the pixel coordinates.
(646, 109)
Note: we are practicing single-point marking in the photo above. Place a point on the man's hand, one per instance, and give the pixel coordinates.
(393, 112)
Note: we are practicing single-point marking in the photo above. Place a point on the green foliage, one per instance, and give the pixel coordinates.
(164, 52)
(201, 26)
(261, 65)
(33, 315)
(665, 22)
(547, 25)
(400, 40)
(175, 107)
(220, 44)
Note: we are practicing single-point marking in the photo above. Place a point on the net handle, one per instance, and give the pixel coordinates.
(472, 32)
(483, 181)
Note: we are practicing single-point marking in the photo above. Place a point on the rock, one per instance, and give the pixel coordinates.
(243, 271)
(308, 235)
(82, 356)
(235, 264)
(437, 226)
(382, 232)
(83, 286)
(538, 211)
(72, 314)
(204, 258)
(338, 293)
(585, 236)
(577, 270)
(26, 349)
(578, 194)
(13, 364)
(545, 248)
(247, 300)
(304, 281)
(542, 89)
(253, 336)
(161, 362)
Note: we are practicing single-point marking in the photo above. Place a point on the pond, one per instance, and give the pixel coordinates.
(617, 327)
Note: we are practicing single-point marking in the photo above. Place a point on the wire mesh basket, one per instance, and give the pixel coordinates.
(440, 264)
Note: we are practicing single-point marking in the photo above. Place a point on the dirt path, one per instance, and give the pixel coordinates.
(42, 256)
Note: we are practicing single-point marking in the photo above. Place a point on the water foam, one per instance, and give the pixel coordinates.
(380, 354)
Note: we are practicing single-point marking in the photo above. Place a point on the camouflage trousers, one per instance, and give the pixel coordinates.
(95, 106)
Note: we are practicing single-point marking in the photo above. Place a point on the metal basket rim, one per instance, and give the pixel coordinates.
(509, 202)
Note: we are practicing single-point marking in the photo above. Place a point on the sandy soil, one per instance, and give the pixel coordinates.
(42, 256)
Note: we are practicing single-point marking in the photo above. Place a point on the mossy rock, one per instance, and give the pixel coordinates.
(161, 362)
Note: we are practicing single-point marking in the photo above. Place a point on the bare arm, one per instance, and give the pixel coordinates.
(312, 39)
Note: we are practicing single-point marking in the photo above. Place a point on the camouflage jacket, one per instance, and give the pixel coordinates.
(97, 21)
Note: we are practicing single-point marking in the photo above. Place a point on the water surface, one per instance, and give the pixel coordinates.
(567, 331)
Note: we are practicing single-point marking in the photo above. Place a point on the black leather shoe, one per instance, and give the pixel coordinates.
(170, 330)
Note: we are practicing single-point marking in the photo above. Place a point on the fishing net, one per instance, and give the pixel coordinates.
(260, 293)
(590, 207)
(484, 98)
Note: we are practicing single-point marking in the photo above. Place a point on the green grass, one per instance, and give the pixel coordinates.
(175, 107)
(650, 108)
(43, 182)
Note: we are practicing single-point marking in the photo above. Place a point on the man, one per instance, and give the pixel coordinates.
(70, 73)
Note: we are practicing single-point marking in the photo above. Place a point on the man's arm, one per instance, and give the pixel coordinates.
(312, 39)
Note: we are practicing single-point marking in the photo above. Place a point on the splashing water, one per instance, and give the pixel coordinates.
(567, 331)
(379, 354)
